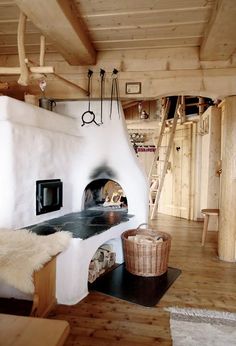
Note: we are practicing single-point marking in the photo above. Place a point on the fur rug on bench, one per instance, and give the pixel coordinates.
(23, 252)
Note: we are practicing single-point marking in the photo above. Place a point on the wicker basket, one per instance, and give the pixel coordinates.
(146, 259)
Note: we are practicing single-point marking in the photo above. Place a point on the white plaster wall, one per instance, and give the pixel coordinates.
(6, 174)
(35, 144)
(43, 155)
(73, 264)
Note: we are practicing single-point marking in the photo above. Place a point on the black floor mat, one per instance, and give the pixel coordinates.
(146, 291)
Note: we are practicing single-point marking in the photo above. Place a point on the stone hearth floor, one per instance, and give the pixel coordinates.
(146, 291)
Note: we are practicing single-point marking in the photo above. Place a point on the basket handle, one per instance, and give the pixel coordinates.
(145, 229)
(142, 224)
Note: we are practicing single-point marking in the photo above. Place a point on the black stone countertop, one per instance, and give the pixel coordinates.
(83, 224)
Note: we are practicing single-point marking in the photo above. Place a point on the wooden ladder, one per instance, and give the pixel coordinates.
(156, 181)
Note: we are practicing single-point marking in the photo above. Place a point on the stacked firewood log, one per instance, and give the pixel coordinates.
(103, 259)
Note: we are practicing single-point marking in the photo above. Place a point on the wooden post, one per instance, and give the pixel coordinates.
(24, 74)
(42, 50)
(227, 216)
(200, 112)
(183, 112)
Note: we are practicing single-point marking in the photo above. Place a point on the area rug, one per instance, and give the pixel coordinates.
(146, 291)
(195, 327)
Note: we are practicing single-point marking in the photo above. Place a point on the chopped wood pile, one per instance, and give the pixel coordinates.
(145, 239)
(103, 259)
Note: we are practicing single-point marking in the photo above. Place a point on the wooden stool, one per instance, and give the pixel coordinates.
(207, 213)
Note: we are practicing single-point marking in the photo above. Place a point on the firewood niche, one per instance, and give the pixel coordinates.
(103, 260)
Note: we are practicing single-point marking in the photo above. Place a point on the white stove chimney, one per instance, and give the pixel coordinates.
(106, 152)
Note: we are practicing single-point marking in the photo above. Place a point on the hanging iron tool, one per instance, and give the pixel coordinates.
(114, 91)
(102, 75)
(88, 117)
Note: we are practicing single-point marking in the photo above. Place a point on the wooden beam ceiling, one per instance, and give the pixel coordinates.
(61, 23)
(145, 24)
(219, 42)
(104, 25)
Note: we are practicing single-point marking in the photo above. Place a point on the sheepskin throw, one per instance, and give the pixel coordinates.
(23, 252)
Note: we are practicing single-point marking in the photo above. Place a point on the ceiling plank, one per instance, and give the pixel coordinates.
(219, 41)
(178, 31)
(147, 18)
(59, 21)
(105, 6)
(9, 11)
(148, 43)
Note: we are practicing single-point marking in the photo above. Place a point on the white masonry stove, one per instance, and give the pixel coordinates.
(38, 145)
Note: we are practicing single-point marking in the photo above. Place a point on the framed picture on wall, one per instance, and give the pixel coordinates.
(133, 88)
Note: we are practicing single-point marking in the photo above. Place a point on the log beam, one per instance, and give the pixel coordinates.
(60, 22)
(33, 69)
(64, 80)
(24, 72)
(69, 83)
(42, 51)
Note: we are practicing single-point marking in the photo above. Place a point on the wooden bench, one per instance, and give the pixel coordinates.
(29, 331)
(207, 213)
(44, 298)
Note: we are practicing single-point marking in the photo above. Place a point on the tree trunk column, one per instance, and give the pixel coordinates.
(227, 217)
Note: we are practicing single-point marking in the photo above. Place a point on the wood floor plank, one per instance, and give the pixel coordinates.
(205, 282)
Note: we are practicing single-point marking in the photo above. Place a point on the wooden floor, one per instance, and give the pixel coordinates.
(205, 282)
